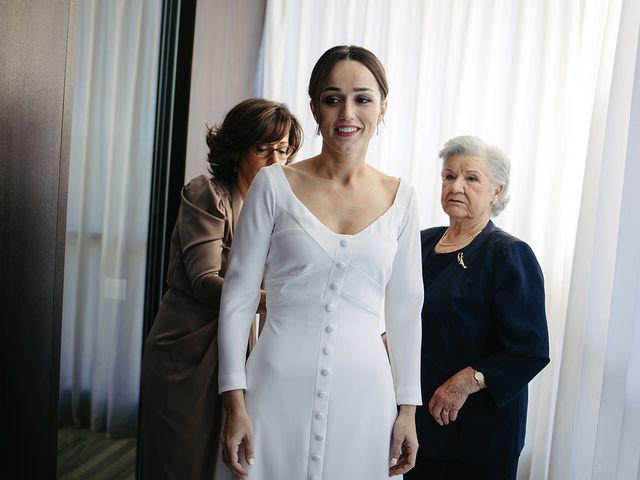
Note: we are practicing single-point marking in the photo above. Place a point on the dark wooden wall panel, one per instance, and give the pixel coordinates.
(34, 136)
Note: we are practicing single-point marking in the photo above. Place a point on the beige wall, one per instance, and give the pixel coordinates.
(225, 62)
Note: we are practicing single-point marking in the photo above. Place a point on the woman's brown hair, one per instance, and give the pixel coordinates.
(251, 122)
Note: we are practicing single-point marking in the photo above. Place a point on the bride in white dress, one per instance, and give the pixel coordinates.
(334, 240)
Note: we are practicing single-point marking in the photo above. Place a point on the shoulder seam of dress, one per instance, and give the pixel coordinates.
(214, 191)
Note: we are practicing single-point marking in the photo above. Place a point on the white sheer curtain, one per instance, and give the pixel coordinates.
(527, 76)
(107, 217)
(597, 414)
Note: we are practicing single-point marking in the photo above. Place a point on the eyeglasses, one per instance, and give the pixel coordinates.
(282, 151)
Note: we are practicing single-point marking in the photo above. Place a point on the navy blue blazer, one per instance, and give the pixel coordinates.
(490, 316)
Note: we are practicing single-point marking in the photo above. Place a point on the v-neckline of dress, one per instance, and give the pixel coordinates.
(322, 225)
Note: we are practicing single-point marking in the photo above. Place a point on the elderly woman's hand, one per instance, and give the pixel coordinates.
(448, 399)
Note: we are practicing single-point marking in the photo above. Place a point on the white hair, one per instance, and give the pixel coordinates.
(499, 164)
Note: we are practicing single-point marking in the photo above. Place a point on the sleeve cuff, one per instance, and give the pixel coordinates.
(234, 381)
(408, 396)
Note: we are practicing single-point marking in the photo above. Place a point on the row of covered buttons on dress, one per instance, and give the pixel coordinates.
(331, 304)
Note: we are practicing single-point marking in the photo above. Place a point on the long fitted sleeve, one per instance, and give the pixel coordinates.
(241, 289)
(403, 303)
(521, 326)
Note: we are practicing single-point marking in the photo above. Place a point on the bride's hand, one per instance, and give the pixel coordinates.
(238, 430)
(404, 442)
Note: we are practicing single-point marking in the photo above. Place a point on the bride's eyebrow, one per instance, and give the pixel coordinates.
(331, 89)
(356, 89)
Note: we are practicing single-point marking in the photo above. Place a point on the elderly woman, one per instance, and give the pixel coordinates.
(484, 325)
(181, 409)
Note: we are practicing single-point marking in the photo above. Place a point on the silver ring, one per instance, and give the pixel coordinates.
(445, 412)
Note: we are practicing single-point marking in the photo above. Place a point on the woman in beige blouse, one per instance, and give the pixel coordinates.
(180, 407)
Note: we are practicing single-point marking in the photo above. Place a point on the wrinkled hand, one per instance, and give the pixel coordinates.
(449, 398)
(404, 441)
(238, 430)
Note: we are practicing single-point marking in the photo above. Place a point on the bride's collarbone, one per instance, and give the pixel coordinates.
(344, 209)
(347, 216)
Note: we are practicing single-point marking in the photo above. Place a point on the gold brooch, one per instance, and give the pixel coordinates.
(461, 260)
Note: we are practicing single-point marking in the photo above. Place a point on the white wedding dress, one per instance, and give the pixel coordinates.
(320, 389)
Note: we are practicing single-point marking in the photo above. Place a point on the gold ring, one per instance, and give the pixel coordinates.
(445, 412)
